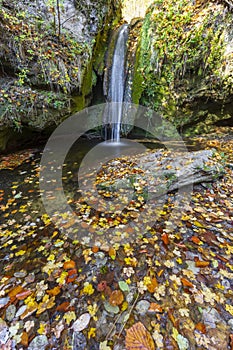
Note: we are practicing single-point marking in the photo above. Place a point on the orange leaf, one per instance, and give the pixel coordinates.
(116, 298)
(55, 291)
(15, 291)
(155, 308)
(153, 285)
(186, 283)
(165, 238)
(200, 263)
(160, 273)
(112, 253)
(95, 249)
(195, 239)
(201, 327)
(69, 265)
(172, 318)
(138, 337)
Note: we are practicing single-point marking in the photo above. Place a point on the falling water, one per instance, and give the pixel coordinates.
(116, 86)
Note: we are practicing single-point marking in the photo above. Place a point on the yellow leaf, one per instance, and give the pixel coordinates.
(91, 333)
(229, 308)
(69, 316)
(20, 252)
(138, 337)
(42, 328)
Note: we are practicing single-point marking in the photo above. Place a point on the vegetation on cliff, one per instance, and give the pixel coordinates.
(44, 60)
(183, 59)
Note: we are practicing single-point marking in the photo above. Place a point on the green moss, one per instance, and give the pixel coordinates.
(177, 50)
(137, 87)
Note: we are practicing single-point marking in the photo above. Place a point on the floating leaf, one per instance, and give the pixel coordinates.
(138, 337)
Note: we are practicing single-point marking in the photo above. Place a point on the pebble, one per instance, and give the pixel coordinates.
(226, 284)
(21, 310)
(230, 322)
(4, 301)
(142, 307)
(38, 343)
(130, 297)
(10, 312)
(20, 274)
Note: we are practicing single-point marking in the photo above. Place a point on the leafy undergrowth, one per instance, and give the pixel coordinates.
(170, 288)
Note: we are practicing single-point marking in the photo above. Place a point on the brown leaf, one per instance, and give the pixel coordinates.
(231, 341)
(116, 298)
(138, 337)
(16, 290)
(101, 286)
(24, 339)
(63, 307)
(200, 263)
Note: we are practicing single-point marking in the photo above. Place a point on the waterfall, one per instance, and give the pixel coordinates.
(116, 86)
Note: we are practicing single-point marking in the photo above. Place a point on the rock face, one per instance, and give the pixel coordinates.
(184, 64)
(47, 54)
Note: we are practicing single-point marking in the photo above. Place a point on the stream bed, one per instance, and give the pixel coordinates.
(176, 277)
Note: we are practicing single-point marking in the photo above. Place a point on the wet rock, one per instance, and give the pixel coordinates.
(21, 310)
(79, 341)
(4, 332)
(38, 343)
(211, 317)
(142, 307)
(10, 312)
(101, 259)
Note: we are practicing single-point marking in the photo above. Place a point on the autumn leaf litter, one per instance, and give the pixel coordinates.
(171, 288)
